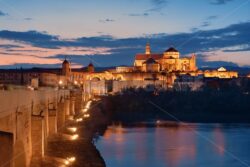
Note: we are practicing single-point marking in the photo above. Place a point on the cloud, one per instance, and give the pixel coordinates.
(3, 14)
(219, 2)
(14, 52)
(205, 24)
(138, 14)
(239, 58)
(159, 2)
(228, 44)
(28, 19)
(33, 37)
(30, 65)
(240, 48)
(9, 46)
(213, 17)
(107, 20)
(158, 5)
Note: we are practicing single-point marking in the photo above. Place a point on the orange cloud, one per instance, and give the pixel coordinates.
(25, 53)
(241, 58)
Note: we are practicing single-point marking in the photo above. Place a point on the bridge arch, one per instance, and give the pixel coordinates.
(6, 148)
(119, 77)
(95, 79)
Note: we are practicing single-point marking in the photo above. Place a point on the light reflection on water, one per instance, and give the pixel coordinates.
(176, 146)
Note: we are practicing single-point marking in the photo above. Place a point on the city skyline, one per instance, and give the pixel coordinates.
(111, 33)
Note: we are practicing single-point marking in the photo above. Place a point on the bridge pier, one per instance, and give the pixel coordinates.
(72, 105)
(22, 140)
(37, 132)
(78, 101)
(27, 122)
(52, 121)
(60, 115)
(67, 107)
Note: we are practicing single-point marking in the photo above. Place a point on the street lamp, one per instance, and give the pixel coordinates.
(60, 82)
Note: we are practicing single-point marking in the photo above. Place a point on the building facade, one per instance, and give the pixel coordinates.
(161, 70)
(169, 61)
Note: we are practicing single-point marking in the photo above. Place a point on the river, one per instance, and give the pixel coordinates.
(188, 145)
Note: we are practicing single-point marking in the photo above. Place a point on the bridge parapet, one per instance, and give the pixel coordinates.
(24, 119)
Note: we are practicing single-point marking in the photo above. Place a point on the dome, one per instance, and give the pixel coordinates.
(150, 61)
(171, 49)
(91, 65)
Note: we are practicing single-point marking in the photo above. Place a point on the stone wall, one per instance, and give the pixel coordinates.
(27, 117)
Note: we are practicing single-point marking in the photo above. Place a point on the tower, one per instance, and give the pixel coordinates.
(91, 67)
(193, 63)
(65, 68)
(148, 50)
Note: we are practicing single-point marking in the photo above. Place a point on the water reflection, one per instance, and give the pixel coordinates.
(175, 146)
(219, 140)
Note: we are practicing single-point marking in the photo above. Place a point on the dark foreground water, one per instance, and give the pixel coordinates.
(195, 145)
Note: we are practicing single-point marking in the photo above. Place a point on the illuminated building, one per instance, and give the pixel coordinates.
(220, 73)
(160, 70)
(168, 61)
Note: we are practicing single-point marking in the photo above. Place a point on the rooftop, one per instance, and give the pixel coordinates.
(171, 49)
(142, 56)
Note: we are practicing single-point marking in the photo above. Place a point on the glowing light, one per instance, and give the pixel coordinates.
(96, 99)
(60, 82)
(79, 120)
(75, 82)
(72, 129)
(66, 162)
(84, 110)
(71, 159)
(74, 137)
(88, 104)
(30, 88)
(158, 122)
(86, 116)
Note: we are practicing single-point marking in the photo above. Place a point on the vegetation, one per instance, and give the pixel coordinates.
(220, 102)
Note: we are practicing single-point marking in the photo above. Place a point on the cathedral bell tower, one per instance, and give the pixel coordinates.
(148, 50)
(65, 68)
(91, 68)
(193, 66)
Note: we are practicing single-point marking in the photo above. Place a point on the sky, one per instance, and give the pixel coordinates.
(42, 33)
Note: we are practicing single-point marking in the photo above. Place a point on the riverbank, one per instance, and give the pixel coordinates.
(65, 146)
(133, 106)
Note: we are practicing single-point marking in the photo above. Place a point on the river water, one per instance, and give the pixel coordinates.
(192, 145)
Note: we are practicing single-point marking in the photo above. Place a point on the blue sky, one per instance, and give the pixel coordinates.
(111, 32)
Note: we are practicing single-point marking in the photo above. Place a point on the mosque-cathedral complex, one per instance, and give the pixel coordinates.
(168, 61)
(163, 70)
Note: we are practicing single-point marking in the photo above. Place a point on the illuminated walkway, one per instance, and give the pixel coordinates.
(73, 146)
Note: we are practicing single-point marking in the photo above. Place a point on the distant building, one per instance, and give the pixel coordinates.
(220, 73)
(25, 76)
(160, 70)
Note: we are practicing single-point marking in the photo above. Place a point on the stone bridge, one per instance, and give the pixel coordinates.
(28, 118)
